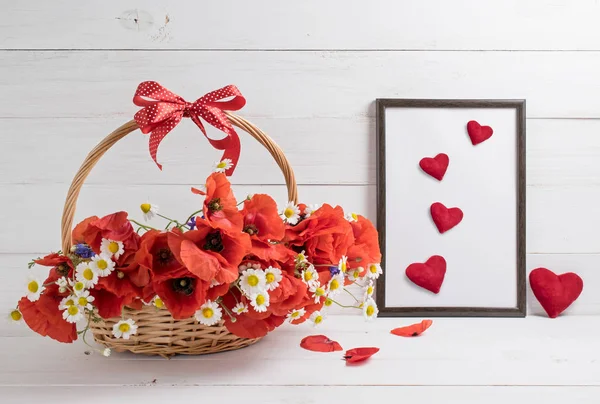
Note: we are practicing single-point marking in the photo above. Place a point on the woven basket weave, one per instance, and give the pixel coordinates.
(158, 332)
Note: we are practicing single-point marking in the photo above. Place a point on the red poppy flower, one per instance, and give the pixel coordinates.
(156, 256)
(246, 326)
(182, 296)
(365, 249)
(261, 219)
(289, 295)
(325, 235)
(108, 304)
(220, 206)
(62, 263)
(115, 227)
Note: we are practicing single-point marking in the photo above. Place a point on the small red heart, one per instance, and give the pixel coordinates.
(478, 133)
(555, 292)
(436, 166)
(445, 218)
(429, 275)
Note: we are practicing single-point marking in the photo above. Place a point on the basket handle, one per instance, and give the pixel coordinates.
(97, 152)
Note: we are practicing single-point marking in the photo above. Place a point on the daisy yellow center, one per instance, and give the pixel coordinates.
(208, 312)
(328, 302)
(319, 292)
(159, 303)
(301, 257)
(270, 277)
(260, 300)
(370, 311)
(370, 290)
(334, 284)
(354, 216)
(73, 310)
(356, 274)
(88, 274)
(318, 319)
(79, 286)
(124, 327)
(102, 264)
(295, 314)
(113, 247)
(308, 276)
(373, 269)
(16, 315)
(289, 212)
(145, 207)
(222, 164)
(33, 286)
(344, 267)
(69, 302)
(253, 280)
(82, 301)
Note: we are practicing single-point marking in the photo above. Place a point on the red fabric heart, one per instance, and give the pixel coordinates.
(436, 166)
(555, 292)
(478, 133)
(429, 275)
(445, 218)
(360, 354)
(320, 343)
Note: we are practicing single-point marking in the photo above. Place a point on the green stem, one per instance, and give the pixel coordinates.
(192, 215)
(143, 226)
(346, 307)
(179, 225)
(350, 293)
(230, 314)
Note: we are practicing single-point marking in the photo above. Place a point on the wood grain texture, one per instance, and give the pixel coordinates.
(287, 84)
(377, 24)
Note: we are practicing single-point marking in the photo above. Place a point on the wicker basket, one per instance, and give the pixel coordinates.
(158, 332)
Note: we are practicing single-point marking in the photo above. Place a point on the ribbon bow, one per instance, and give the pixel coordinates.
(163, 110)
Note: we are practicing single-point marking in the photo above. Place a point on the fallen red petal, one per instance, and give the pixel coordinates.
(412, 330)
(360, 354)
(320, 343)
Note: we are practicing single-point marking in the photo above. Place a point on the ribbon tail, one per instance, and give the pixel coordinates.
(232, 152)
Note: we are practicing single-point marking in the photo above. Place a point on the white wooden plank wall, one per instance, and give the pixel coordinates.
(311, 71)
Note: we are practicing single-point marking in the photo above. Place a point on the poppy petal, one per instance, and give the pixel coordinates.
(320, 343)
(360, 354)
(412, 330)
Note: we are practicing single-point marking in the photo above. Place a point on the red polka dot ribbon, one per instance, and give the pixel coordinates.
(163, 110)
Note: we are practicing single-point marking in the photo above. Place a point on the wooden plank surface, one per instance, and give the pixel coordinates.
(303, 85)
(377, 24)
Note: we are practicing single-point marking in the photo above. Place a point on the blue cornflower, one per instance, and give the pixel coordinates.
(334, 270)
(84, 251)
(192, 223)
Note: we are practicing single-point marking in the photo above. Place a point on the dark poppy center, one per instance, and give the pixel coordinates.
(164, 256)
(184, 286)
(62, 269)
(214, 242)
(251, 230)
(215, 205)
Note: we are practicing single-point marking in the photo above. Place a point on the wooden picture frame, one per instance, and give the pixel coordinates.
(385, 107)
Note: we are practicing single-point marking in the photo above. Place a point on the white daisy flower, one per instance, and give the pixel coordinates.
(62, 284)
(209, 313)
(273, 277)
(149, 210)
(106, 352)
(368, 290)
(335, 284)
(86, 275)
(260, 301)
(291, 213)
(310, 276)
(15, 316)
(158, 302)
(318, 292)
(352, 217)
(84, 300)
(370, 309)
(67, 302)
(354, 274)
(124, 329)
(301, 259)
(295, 315)
(102, 265)
(78, 287)
(343, 264)
(310, 209)
(328, 302)
(34, 288)
(73, 313)
(253, 281)
(240, 308)
(222, 166)
(112, 248)
(316, 318)
(373, 271)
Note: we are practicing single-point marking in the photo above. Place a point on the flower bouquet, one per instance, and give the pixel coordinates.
(222, 278)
